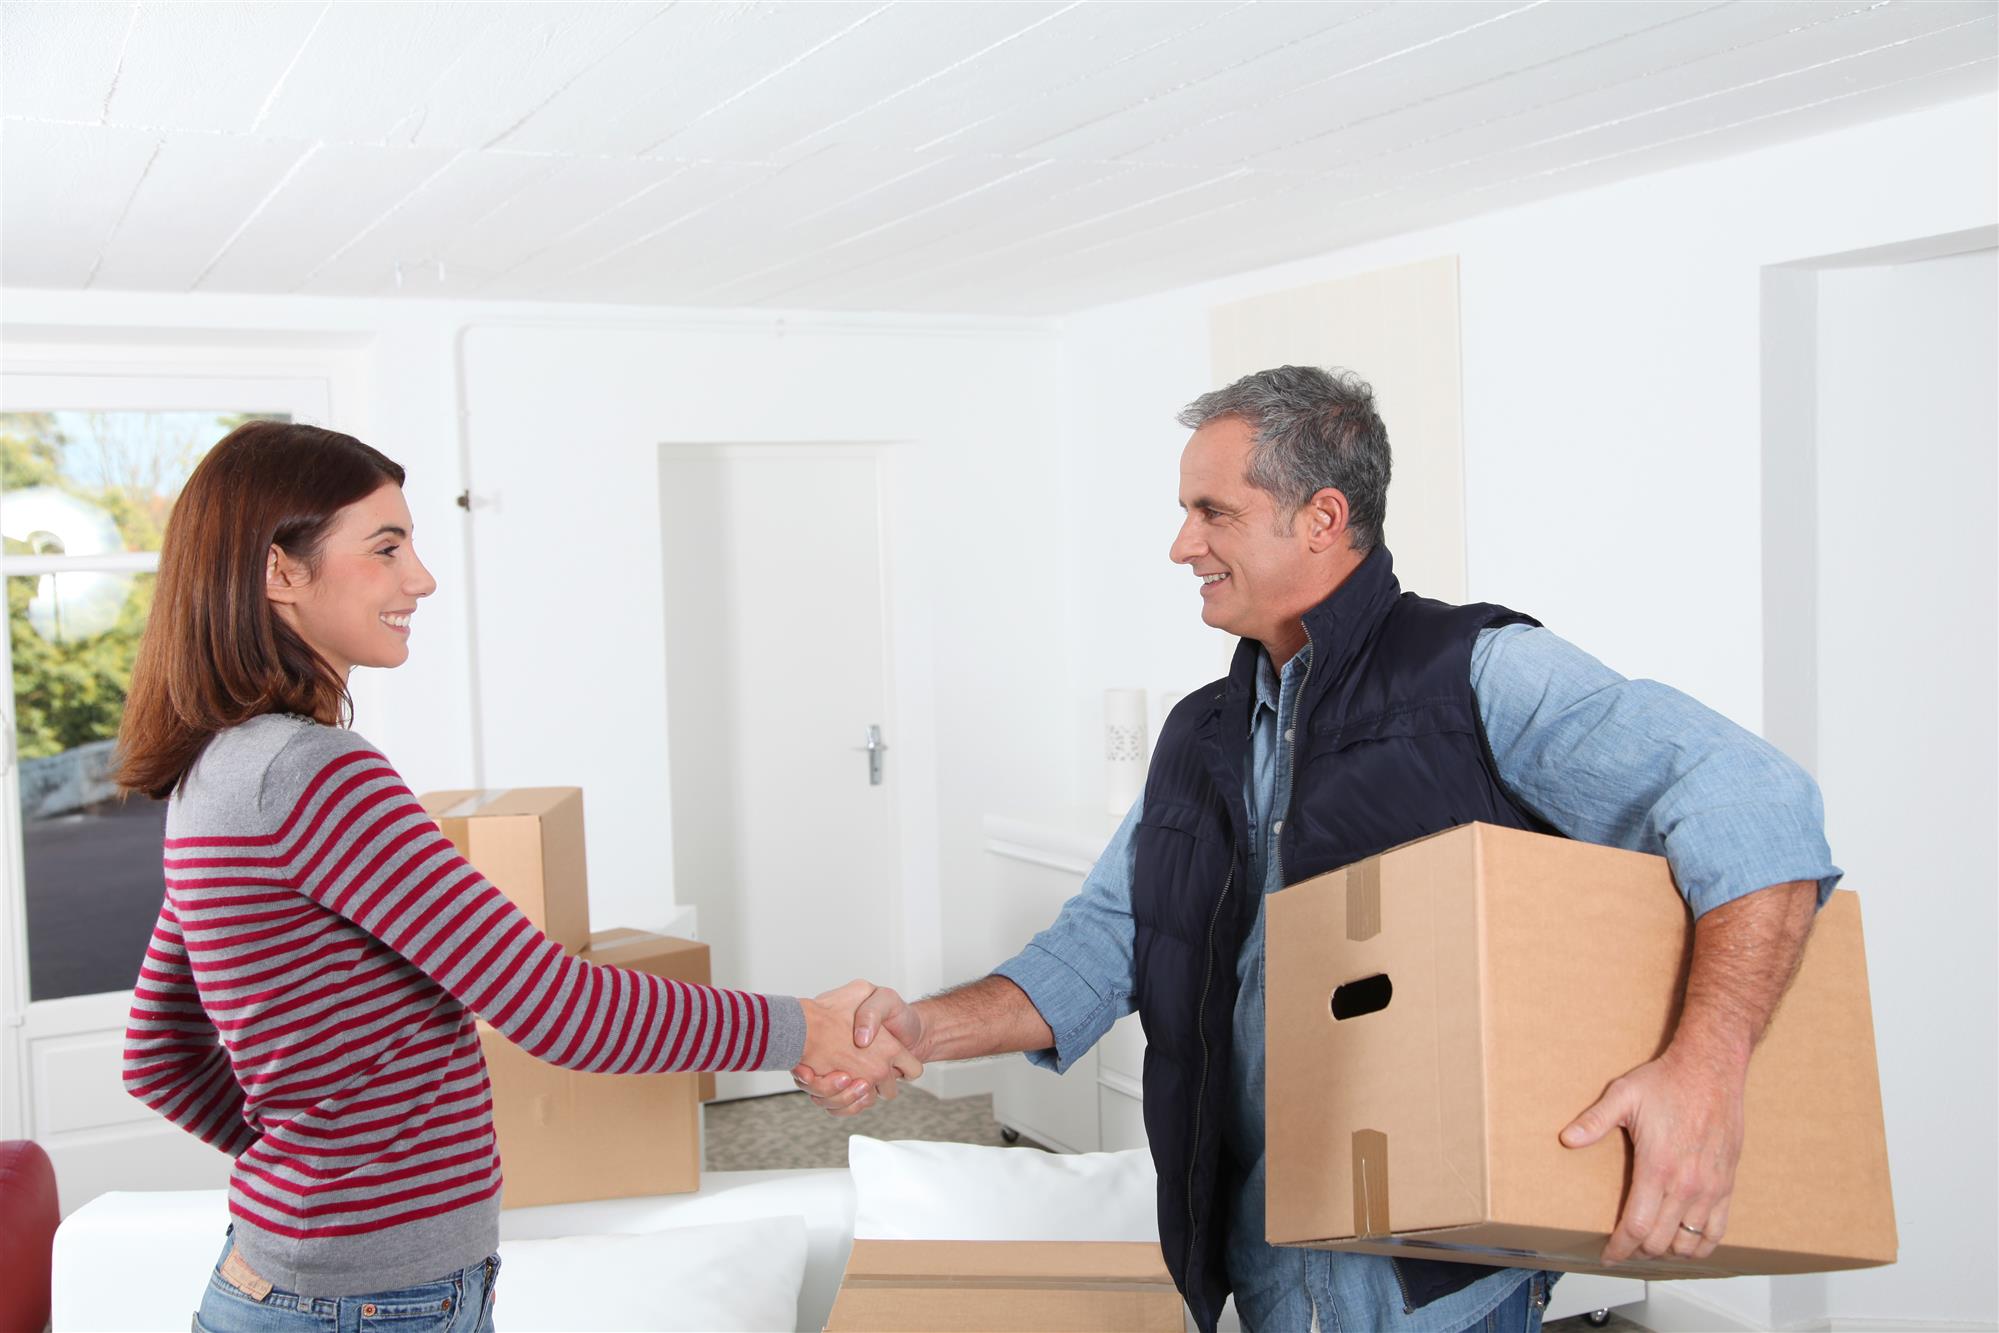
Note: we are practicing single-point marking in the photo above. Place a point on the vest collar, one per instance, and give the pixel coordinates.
(1337, 627)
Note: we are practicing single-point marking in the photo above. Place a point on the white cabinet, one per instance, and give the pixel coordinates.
(1034, 866)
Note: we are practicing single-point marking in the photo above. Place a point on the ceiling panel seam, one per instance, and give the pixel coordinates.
(933, 76)
(118, 72)
(379, 219)
(1592, 90)
(599, 216)
(787, 66)
(823, 250)
(1324, 79)
(1501, 77)
(573, 79)
(1652, 144)
(1095, 75)
(1208, 77)
(124, 212)
(254, 214)
(1714, 93)
(284, 74)
(979, 257)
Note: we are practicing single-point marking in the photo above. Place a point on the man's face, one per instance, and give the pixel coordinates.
(1256, 574)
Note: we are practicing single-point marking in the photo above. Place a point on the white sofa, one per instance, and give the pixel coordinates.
(138, 1261)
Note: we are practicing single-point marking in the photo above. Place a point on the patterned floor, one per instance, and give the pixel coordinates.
(786, 1132)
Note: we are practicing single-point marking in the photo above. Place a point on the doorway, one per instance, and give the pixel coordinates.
(777, 668)
(1881, 629)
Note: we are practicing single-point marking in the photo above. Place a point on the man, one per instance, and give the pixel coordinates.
(1356, 718)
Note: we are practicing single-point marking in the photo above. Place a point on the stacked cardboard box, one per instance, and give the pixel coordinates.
(1005, 1287)
(564, 1136)
(1439, 1013)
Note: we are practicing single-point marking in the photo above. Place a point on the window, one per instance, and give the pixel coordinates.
(84, 500)
(90, 467)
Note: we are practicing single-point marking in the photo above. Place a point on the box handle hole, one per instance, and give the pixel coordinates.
(1369, 995)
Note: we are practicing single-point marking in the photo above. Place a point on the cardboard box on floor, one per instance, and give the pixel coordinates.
(945, 1286)
(566, 1137)
(1520, 975)
(529, 842)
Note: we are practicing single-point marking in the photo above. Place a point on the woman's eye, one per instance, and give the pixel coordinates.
(389, 550)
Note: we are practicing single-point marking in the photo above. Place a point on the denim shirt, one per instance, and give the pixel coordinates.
(1624, 763)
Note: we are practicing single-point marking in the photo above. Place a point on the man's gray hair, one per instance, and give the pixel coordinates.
(1314, 428)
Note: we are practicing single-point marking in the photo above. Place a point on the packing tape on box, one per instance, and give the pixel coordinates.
(1370, 1183)
(1364, 900)
(472, 805)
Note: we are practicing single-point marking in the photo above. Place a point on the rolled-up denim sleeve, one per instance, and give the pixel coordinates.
(1078, 972)
(1635, 764)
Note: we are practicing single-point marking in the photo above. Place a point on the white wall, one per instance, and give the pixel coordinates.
(1612, 435)
(580, 397)
(1611, 403)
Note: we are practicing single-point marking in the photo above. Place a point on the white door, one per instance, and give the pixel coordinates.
(777, 668)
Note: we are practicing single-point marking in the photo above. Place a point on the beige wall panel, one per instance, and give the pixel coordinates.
(1398, 329)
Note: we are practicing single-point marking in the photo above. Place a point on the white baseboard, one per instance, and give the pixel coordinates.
(1846, 1324)
(1665, 1310)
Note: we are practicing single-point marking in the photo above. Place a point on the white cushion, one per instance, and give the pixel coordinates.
(956, 1191)
(725, 1277)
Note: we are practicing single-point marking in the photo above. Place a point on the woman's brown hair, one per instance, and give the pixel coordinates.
(215, 653)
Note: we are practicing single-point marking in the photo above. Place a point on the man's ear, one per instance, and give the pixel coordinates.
(1325, 516)
(284, 577)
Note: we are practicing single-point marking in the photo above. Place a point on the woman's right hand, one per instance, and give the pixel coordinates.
(830, 1048)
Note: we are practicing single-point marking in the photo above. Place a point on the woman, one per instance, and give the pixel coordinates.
(307, 1001)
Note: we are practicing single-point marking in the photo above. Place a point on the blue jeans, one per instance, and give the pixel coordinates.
(455, 1303)
(1290, 1308)
(1520, 1312)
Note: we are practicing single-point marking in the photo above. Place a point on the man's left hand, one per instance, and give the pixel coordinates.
(1684, 1115)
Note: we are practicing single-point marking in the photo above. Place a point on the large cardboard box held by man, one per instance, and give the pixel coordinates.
(566, 1137)
(954, 1286)
(1439, 1013)
(529, 842)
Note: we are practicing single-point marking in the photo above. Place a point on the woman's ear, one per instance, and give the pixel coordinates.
(284, 577)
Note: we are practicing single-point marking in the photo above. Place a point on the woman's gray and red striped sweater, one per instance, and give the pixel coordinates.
(307, 1005)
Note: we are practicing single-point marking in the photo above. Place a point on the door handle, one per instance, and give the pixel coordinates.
(874, 749)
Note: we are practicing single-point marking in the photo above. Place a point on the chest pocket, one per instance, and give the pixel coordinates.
(1183, 862)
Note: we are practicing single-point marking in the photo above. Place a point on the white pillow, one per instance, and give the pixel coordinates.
(957, 1191)
(730, 1276)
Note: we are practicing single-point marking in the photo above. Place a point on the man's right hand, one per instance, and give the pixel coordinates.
(836, 1090)
(840, 1030)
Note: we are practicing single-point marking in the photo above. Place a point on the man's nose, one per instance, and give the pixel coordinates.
(1186, 545)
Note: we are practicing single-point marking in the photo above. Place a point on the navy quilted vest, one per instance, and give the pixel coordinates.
(1389, 748)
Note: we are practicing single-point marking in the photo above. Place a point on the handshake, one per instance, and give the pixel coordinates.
(859, 1041)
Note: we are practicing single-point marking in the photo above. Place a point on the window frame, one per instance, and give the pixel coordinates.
(320, 386)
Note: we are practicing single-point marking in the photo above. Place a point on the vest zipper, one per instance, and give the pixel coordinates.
(1291, 752)
(1201, 1028)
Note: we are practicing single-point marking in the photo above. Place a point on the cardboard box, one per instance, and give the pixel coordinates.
(1439, 1013)
(566, 1137)
(940, 1286)
(529, 842)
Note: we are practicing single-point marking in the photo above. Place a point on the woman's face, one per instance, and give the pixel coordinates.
(355, 608)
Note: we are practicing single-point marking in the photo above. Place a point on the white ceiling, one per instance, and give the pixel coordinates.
(1028, 157)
